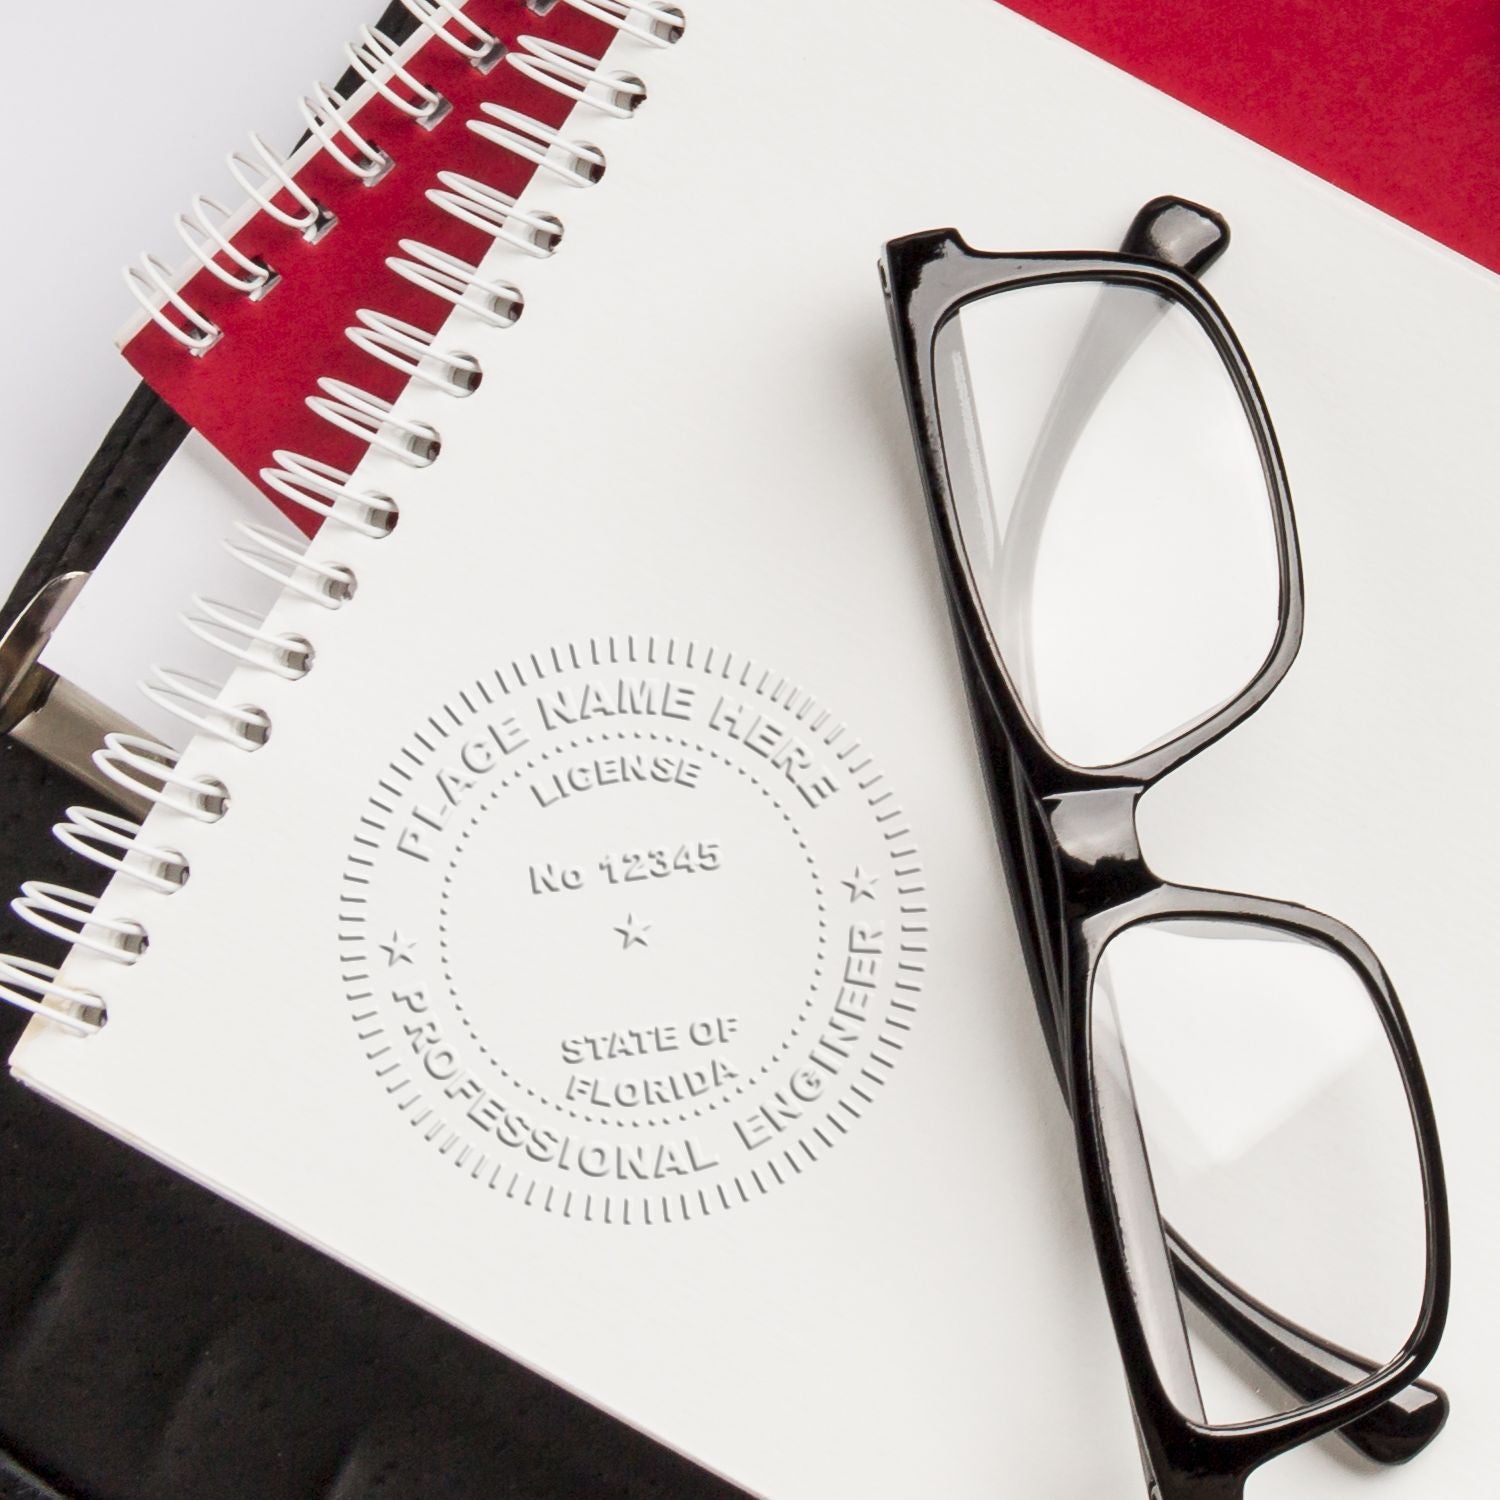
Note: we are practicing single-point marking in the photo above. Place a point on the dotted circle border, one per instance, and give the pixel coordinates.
(500, 1176)
(724, 1095)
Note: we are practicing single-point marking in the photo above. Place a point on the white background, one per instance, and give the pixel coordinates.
(115, 124)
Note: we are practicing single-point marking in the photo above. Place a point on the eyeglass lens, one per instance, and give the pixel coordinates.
(1113, 509)
(1251, 1100)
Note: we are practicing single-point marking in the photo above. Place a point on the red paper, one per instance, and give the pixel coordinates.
(1396, 101)
(246, 395)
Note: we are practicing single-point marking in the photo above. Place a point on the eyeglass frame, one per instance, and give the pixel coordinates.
(1087, 822)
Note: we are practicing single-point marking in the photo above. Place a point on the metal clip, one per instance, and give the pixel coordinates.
(45, 712)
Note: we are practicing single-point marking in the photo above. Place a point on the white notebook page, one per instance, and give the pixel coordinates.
(691, 451)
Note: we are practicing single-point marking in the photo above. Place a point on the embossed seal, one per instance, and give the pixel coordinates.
(633, 930)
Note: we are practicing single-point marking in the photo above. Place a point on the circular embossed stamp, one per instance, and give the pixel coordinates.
(633, 930)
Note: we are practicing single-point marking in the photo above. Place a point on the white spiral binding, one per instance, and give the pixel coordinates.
(116, 844)
(38, 988)
(577, 76)
(149, 769)
(330, 494)
(207, 241)
(449, 24)
(646, 20)
(311, 222)
(264, 175)
(320, 113)
(373, 420)
(285, 561)
(574, 162)
(497, 214)
(62, 912)
(199, 335)
(405, 347)
(196, 703)
(242, 636)
(372, 54)
(498, 303)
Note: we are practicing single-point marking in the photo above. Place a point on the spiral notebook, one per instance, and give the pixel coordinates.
(594, 929)
(450, 109)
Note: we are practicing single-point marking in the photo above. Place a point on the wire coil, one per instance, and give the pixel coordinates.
(579, 77)
(330, 494)
(115, 843)
(151, 770)
(646, 20)
(320, 113)
(382, 65)
(62, 912)
(202, 233)
(574, 162)
(38, 988)
(498, 214)
(374, 56)
(412, 351)
(449, 24)
(310, 220)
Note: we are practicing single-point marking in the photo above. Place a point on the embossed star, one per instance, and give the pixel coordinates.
(860, 884)
(634, 932)
(398, 950)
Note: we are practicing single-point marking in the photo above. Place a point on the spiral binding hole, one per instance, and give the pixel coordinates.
(113, 842)
(71, 916)
(371, 419)
(329, 493)
(202, 232)
(498, 303)
(409, 349)
(285, 561)
(472, 41)
(243, 637)
(574, 162)
(579, 77)
(271, 282)
(468, 372)
(311, 219)
(38, 988)
(646, 20)
(372, 54)
(149, 769)
(196, 703)
(533, 231)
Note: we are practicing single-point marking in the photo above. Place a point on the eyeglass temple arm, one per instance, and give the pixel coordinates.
(1305, 1364)
(1311, 1366)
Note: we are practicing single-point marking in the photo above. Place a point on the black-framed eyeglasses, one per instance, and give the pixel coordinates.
(1259, 1155)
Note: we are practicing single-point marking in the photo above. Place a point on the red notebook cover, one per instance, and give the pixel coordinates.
(1396, 101)
(247, 393)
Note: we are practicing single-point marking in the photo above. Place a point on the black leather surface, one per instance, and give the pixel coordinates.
(157, 1343)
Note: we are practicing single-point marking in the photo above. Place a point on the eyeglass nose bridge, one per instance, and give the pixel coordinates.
(1098, 844)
